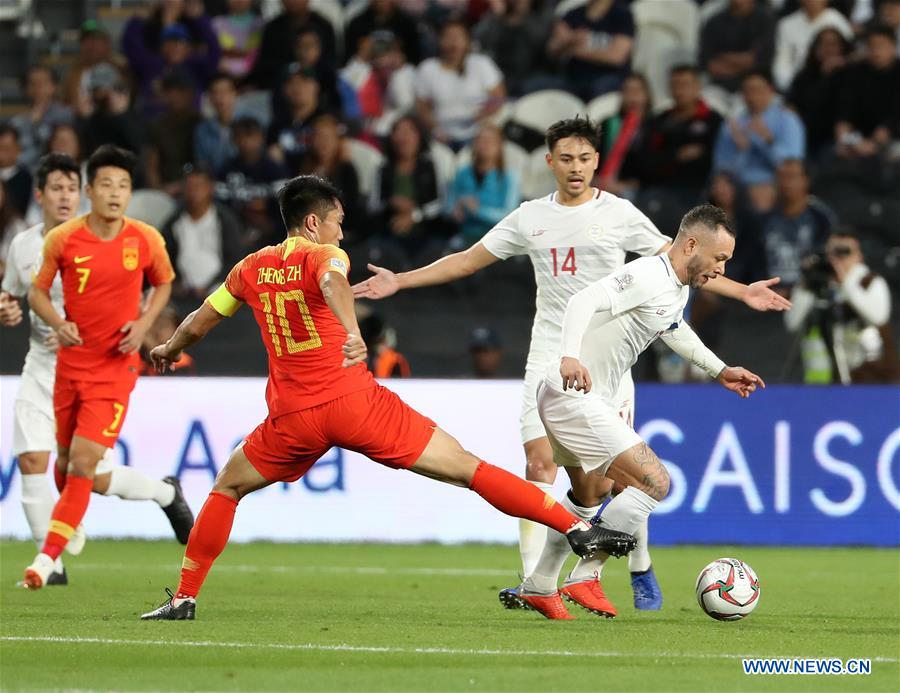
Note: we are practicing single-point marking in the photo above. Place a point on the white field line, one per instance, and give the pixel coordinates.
(315, 647)
(262, 568)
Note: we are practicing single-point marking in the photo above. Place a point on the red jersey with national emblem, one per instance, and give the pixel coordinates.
(102, 289)
(303, 338)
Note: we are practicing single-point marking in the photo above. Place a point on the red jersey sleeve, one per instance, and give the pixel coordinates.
(329, 258)
(159, 270)
(51, 257)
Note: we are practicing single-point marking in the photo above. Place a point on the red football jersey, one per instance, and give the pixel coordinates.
(303, 337)
(102, 283)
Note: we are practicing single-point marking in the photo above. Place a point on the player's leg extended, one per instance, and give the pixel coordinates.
(69, 510)
(130, 484)
(445, 460)
(209, 535)
(540, 471)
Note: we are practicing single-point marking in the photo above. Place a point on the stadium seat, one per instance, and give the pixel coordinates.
(514, 157)
(332, 11)
(152, 207)
(541, 108)
(367, 161)
(567, 6)
(602, 107)
(666, 33)
(537, 179)
(444, 165)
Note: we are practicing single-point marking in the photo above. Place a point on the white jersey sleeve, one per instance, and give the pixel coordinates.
(636, 283)
(505, 239)
(13, 281)
(642, 237)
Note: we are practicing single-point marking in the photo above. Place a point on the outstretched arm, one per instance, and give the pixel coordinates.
(757, 295)
(339, 296)
(385, 283)
(685, 342)
(192, 329)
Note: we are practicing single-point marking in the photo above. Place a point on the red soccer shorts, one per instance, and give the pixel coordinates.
(92, 410)
(374, 422)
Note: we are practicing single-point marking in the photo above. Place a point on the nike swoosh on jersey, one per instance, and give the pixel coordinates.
(79, 260)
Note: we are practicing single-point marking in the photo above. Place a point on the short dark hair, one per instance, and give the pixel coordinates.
(845, 232)
(55, 161)
(110, 155)
(581, 127)
(305, 195)
(879, 29)
(8, 129)
(685, 67)
(707, 215)
(761, 73)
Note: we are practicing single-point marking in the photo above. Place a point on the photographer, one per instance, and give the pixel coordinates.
(841, 312)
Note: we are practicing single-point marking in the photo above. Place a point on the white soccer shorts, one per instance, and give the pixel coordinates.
(583, 430)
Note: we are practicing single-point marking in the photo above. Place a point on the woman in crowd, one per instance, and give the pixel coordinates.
(405, 202)
(483, 192)
(620, 160)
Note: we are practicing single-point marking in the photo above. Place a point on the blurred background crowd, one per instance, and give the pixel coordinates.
(429, 115)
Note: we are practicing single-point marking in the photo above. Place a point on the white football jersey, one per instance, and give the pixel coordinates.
(647, 300)
(23, 261)
(571, 248)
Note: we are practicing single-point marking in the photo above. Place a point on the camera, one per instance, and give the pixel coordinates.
(817, 272)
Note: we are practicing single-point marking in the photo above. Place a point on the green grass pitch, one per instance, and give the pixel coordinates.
(398, 618)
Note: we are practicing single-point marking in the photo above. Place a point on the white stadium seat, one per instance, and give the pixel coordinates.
(602, 107)
(666, 34)
(444, 165)
(151, 207)
(367, 161)
(537, 179)
(540, 109)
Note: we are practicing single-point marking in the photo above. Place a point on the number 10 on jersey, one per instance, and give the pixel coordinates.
(568, 263)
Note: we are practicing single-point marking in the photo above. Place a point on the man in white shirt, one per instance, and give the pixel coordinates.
(58, 179)
(606, 327)
(796, 32)
(574, 237)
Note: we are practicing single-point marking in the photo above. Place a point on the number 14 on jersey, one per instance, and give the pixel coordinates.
(568, 263)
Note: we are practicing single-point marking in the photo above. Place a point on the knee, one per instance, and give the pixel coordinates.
(33, 463)
(82, 465)
(590, 489)
(539, 465)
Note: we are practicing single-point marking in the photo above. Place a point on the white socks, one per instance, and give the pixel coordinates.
(556, 550)
(532, 536)
(639, 559)
(130, 484)
(37, 503)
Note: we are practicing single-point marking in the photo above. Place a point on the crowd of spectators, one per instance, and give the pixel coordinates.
(223, 100)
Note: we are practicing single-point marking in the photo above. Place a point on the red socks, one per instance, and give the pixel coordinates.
(67, 514)
(515, 496)
(207, 540)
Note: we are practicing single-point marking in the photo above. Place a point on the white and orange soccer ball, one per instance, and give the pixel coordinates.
(728, 589)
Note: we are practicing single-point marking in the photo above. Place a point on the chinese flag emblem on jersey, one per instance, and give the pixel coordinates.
(130, 254)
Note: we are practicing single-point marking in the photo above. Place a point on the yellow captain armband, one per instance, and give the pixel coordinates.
(223, 302)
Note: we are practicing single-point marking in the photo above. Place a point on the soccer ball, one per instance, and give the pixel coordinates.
(727, 589)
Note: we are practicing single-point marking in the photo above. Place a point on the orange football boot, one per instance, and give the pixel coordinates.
(588, 594)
